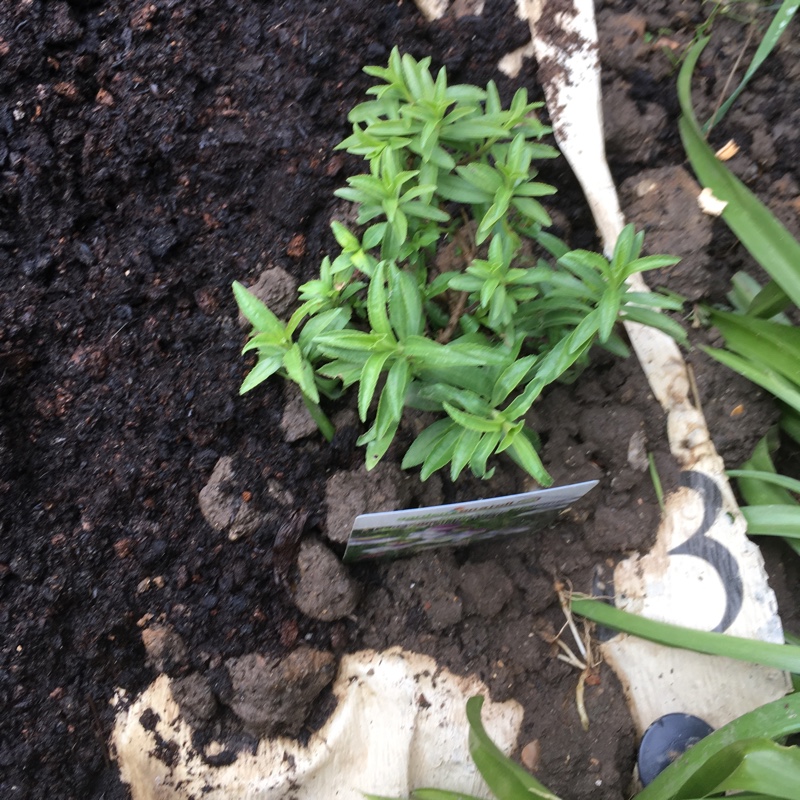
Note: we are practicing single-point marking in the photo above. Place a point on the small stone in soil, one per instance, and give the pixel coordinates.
(271, 695)
(325, 590)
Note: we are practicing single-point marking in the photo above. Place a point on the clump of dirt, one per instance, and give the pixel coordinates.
(152, 153)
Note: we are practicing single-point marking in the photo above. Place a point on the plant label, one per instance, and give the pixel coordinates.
(393, 533)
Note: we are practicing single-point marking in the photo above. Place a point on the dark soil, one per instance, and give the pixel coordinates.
(150, 154)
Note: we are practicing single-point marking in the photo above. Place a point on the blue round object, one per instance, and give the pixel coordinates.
(667, 738)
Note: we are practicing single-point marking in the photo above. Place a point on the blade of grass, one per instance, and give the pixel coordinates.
(765, 238)
(784, 482)
(780, 656)
(767, 379)
(771, 344)
(776, 28)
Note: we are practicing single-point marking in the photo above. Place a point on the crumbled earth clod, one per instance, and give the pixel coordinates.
(296, 422)
(275, 695)
(325, 590)
(223, 506)
(354, 492)
(484, 588)
(194, 697)
(165, 648)
(277, 289)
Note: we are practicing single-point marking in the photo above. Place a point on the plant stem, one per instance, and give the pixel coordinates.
(318, 415)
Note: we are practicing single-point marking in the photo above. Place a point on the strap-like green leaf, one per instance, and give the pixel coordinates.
(770, 344)
(505, 778)
(755, 226)
(781, 656)
(773, 721)
(773, 520)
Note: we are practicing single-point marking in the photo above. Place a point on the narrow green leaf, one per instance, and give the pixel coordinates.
(300, 371)
(525, 455)
(532, 209)
(647, 263)
(607, 311)
(771, 344)
(463, 452)
(377, 447)
(505, 778)
(771, 381)
(343, 344)
(392, 400)
(782, 481)
(259, 316)
(756, 764)
(782, 18)
(428, 354)
(333, 320)
(405, 303)
(455, 188)
(440, 454)
(773, 720)
(511, 377)
(773, 520)
(781, 656)
(755, 226)
(482, 176)
(473, 422)
(485, 448)
(376, 302)
(369, 380)
(425, 442)
(771, 300)
(260, 372)
(265, 344)
(494, 214)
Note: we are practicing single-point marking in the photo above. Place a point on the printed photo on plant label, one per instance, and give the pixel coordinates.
(393, 533)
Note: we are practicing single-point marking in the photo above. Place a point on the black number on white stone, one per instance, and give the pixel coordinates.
(710, 550)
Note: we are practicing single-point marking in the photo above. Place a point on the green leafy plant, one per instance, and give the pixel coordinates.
(761, 343)
(772, 506)
(478, 339)
(744, 756)
(780, 21)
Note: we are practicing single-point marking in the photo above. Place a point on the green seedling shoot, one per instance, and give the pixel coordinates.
(474, 341)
